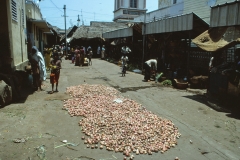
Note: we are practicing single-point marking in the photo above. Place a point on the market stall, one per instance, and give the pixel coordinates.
(222, 38)
(131, 37)
(173, 44)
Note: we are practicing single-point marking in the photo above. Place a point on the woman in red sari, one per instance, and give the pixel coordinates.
(77, 55)
(81, 56)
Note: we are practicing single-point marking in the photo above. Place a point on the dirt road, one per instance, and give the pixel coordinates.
(42, 124)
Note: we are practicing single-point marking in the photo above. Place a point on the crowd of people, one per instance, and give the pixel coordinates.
(50, 61)
(40, 63)
(81, 56)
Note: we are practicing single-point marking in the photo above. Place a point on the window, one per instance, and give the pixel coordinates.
(14, 10)
(174, 1)
(121, 3)
(22, 17)
(133, 3)
(131, 12)
(37, 33)
(125, 11)
(118, 4)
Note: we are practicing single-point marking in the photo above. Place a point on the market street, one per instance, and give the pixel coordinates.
(206, 134)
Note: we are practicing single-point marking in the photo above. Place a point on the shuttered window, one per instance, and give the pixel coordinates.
(14, 10)
(22, 17)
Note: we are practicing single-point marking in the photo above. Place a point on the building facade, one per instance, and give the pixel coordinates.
(37, 27)
(172, 8)
(22, 27)
(13, 41)
(127, 10)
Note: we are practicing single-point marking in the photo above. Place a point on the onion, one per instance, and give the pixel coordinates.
(119, 123)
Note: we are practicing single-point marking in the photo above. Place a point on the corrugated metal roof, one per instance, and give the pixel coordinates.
(126, 32)
(227, 14)
(173, 24)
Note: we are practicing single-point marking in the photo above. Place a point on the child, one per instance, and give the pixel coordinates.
(55, 72)
(90, 53)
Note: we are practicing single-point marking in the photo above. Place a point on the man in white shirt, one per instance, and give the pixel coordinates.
(125, 50)
(147, 66)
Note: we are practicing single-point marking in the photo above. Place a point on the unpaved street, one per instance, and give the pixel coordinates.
(42, 123)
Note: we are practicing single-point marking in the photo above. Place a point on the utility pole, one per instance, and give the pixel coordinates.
(82, 18)
(64, 7)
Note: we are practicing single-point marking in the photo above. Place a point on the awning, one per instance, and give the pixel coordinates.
(51, 32)
(126, 32)
(227, 14)
(218, 38)
(41, 24)
(185, 22)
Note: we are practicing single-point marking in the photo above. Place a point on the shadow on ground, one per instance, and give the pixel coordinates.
(226, 104)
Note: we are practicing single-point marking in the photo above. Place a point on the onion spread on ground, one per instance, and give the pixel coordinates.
(118, 123)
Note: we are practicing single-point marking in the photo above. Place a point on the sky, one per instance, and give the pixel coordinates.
(88, 10)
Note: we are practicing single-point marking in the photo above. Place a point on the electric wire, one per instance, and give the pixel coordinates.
(56, 6)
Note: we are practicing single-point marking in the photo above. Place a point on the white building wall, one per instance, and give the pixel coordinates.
(118, 13)
(141, 4)
(33, 11)
(18, 36)
(174, 10)
(121, 5)
(168, 9)
(202, 7)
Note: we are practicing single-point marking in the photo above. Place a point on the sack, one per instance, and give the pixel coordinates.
(5, 94)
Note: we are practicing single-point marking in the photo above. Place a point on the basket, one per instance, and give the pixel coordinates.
(194, 80)
(180, 84)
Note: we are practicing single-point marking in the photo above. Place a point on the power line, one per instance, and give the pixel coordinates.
(88, 12)
(56, 6)
(45, 8)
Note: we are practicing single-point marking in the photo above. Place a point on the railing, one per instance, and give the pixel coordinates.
(35, 5)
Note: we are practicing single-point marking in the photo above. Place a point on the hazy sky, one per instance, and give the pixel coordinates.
(88, 10)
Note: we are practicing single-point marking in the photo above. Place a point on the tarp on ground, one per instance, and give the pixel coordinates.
(218, 38)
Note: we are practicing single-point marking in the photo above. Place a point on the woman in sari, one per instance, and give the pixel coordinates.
(47, 56)
(39, 73)
(82, 56)
(77, 55)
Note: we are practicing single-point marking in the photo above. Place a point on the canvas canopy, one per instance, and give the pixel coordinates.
(215, 39)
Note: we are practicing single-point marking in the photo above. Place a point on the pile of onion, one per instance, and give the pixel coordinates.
(120, 124)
